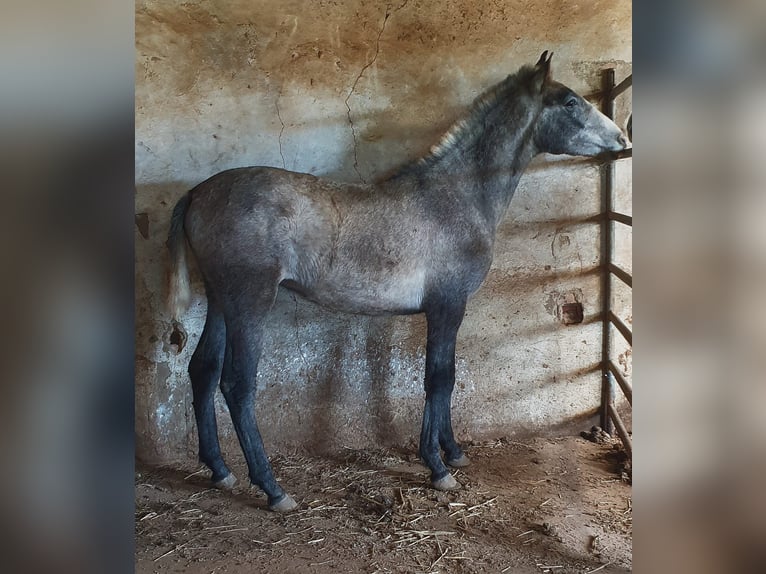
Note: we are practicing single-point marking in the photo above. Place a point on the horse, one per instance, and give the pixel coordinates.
(418, 241)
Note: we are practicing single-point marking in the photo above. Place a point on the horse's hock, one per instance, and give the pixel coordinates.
(350, 92)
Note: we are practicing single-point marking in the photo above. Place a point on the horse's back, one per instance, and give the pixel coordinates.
(259, 217)
(240, 193)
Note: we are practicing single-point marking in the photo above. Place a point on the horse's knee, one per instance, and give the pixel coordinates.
(229, 389)
(237, 392)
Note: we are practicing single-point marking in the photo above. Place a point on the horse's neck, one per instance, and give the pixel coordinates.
(499, 176)
(484, 163)
(488, 169)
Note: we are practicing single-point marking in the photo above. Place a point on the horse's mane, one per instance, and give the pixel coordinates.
(478, 111)
(472, 120)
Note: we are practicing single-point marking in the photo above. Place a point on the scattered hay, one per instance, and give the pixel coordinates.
(384, 498)
(376, 500)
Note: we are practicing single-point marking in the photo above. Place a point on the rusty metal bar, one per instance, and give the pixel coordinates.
(610, 419)
(622, 86)
(609, 156)
(594, 97)
(621, 274)
(621, 327)
(622, 432)
(624, 154)
(621, 218)
(607, 185)
(627, 389)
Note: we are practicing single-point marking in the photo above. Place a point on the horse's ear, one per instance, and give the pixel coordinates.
(543, 73)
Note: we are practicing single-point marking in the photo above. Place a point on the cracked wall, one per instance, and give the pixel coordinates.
(350, 90)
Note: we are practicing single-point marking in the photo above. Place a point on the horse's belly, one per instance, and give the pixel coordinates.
(357, 293)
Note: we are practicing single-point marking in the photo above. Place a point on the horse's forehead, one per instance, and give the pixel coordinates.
(555, 91)
(554, 87)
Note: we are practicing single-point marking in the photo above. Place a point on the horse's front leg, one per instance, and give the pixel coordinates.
(443, 323)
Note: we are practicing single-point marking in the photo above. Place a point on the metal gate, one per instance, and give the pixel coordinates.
(610, 372)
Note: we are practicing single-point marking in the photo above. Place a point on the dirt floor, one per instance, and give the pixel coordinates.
(540, 506)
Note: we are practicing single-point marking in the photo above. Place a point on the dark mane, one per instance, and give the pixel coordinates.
(473, 119)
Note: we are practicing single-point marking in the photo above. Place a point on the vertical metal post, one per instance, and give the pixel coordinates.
(607, 185)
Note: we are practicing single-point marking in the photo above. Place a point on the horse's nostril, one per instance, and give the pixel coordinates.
(623, 141)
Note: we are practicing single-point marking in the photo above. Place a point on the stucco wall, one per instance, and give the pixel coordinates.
(350, 90)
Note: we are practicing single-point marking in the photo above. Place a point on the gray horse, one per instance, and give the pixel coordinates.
(419, 241)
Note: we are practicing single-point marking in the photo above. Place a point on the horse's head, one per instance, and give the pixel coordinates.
(567, 122)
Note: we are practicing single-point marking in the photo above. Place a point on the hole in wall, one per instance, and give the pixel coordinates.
(142, 222)
(571, 313)
(178, 337)
(566, 306)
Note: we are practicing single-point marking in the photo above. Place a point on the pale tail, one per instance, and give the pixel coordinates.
(178, 287)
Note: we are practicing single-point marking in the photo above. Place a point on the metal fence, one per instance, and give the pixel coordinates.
(611, 374)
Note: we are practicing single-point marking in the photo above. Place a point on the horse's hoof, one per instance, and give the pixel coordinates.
(226, 483)
(284, 504)
(459, 462)
(447, 482)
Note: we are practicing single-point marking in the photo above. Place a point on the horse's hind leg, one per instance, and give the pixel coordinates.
(245, 314)
(204, 372)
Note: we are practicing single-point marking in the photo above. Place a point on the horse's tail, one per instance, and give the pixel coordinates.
(178, 286)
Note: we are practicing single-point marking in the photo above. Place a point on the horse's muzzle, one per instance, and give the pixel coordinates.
(623, 141)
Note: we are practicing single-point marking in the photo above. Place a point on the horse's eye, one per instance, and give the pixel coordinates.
(571, 102)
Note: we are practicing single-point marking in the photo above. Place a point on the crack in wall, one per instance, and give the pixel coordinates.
(281, 131)
(353, 87)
